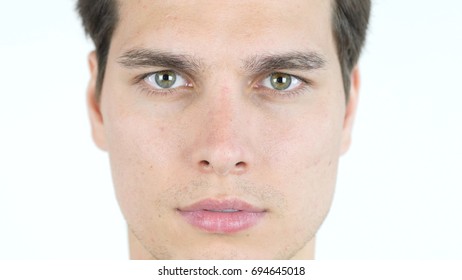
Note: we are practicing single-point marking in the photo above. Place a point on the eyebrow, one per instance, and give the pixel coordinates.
(145, 58)
(307, 61)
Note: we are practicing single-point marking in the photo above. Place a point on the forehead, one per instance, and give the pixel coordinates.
(225, 26)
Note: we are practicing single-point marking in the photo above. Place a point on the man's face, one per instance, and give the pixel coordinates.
(224, 122)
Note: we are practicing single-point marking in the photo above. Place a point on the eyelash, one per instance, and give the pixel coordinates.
(300, 90)
(164, 92)
(146, 89)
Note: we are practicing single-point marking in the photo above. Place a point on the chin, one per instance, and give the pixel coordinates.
(227, 254)
(215, 250)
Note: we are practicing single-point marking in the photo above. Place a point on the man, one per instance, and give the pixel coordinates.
(224, 120)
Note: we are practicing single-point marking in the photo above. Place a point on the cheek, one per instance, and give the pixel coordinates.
(302, 161)
(306, 145)
(143, 154)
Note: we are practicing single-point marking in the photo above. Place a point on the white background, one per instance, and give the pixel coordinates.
(399, 191)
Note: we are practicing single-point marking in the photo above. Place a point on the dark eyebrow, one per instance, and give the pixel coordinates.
(293, 60)
(144, 58)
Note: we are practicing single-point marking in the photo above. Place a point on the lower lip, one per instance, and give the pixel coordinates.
(219, 222)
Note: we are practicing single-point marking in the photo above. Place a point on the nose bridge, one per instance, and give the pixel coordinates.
(221, 146)
(222, 117)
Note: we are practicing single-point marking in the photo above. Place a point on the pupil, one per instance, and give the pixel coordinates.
(166, 77)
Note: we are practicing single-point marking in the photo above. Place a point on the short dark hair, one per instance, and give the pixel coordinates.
(349, 19)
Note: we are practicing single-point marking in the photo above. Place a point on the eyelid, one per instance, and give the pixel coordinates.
(300, 89)
(177, 75)
(147, 88)
(303, 82)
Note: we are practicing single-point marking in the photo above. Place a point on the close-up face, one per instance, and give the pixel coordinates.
(224, 122)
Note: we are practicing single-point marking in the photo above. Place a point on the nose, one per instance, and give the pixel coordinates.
(223, 162)
(222, 147)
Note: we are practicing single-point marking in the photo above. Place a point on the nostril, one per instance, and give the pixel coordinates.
(241, 165)
(204, 164)
(207, 166)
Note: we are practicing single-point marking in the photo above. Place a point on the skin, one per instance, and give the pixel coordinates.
(224, 133)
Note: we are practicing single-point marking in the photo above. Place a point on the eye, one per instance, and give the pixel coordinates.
(281, 81)
(166, 79)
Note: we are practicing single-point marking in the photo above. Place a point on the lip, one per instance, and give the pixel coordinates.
(222, 216)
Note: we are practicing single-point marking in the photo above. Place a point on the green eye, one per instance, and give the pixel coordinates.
(165, 79)
(280, 81)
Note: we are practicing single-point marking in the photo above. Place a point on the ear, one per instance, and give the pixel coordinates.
(93, 104)
(350, 111)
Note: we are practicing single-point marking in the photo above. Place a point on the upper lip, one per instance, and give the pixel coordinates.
(221, 205)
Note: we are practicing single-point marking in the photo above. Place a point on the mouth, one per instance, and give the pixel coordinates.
(222, 216)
